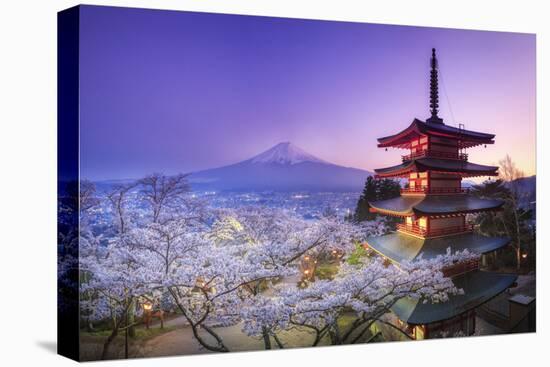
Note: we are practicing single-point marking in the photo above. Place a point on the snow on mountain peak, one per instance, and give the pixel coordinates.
(285, 153)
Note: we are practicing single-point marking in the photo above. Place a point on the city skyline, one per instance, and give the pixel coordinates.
(180, 92)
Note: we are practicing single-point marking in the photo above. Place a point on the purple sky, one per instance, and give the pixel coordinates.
(176, 92)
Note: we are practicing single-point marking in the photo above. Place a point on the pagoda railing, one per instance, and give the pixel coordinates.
(435, 190)
(433, 232)
(414, 190)
(460, 268)
(435, 154)
(448, 190)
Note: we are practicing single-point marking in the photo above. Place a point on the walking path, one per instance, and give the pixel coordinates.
(181, 340)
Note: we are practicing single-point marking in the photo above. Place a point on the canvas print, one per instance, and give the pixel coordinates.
(235, 183)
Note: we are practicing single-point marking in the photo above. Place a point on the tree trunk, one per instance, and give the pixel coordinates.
(267, 339)
(107, 344)
(194, 328)
(518, 258)
(131, 319)
(278, 341)
(126, 337)
(334, 333)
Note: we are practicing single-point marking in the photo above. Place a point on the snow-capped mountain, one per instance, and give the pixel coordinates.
(284, 167)
(285, 153)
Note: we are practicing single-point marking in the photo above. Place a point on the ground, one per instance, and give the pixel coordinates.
(181, 341)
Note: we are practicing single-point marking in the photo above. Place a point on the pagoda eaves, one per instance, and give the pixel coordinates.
(444, 166)
(478, 286)
(434, 205)
(399, 247)
(418, 129)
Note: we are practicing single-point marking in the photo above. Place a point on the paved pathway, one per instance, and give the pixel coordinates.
(181, 340)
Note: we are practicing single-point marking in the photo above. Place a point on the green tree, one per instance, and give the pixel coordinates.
(513, 220)
(375, 190)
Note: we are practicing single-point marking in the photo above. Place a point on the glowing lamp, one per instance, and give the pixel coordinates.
(147, 306)
(524, 255)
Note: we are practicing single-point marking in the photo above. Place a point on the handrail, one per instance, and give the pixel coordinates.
(435, 154)
(435, 190)
(423, 232)
(448, 190)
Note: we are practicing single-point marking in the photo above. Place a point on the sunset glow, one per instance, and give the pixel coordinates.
(182, 93)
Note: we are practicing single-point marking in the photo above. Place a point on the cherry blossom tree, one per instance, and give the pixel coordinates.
(220, 267)
(368, 290)
(111, 267)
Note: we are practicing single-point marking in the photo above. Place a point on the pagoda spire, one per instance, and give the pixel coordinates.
(434, 93)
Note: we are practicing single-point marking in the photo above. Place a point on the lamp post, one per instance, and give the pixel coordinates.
(126, 335)
(147, 307)
(308, 265)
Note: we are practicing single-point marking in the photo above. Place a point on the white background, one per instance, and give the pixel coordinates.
(28, 180)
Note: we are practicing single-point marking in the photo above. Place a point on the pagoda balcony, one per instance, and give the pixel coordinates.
(416, 230)
(434, 154)
(460, 268)
(435, 190)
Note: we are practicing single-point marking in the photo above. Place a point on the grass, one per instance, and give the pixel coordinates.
(326, 270)
(345, 321)
(357, 255)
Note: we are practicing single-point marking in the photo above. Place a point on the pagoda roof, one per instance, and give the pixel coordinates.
(434, 205)
(464, 168)
(479, 287)
(399, 247)
(418, 128)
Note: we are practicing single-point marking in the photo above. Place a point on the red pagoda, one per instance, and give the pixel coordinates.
(435, 208)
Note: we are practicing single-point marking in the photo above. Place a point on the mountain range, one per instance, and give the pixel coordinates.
(284, 167)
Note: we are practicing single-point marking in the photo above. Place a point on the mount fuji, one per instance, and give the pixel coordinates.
(284, 167)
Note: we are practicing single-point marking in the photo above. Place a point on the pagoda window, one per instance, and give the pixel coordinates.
(418, 332)
(423, 222)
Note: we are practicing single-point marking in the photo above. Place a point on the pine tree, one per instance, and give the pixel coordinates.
(374, 190)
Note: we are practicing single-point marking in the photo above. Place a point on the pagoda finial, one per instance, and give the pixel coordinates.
(434, 93)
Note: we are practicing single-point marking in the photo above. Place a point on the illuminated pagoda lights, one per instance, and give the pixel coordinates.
(434, 207)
